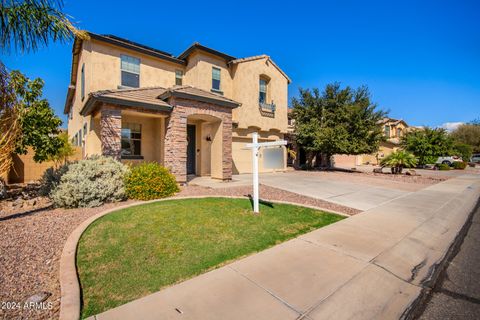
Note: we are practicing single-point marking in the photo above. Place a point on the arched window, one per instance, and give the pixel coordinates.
(262, 94)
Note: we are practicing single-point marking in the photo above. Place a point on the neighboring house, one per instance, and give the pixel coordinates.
(393, 129)
(193, 113)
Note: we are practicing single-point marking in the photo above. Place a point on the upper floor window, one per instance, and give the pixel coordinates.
(84, 129)
(387, 131)
(82, 82)
(215, 78)
(131, 140)
(262, 95)
(130, 68)
(399, 132)
(178, 77)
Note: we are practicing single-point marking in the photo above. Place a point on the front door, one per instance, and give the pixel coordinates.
(191, 149)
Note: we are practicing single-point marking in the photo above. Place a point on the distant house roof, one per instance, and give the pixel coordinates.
(392, 121)
(153, 98)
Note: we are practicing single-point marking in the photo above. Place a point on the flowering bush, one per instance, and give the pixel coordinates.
(149, 181)
(90, 183)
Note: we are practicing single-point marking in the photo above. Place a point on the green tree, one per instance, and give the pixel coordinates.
(463, 150)
(428, 144)
(26, 25)
(337, 121)
(65, 151)
(398, 160)
(38, 123)
(468, 134)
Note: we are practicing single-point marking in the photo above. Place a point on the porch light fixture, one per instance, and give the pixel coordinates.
(208, 138)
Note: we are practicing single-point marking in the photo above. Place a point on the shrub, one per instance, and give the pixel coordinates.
(443, 166)
(90, 183)
(398, 160)
(51, 178)
(459, 165)
(150, 181)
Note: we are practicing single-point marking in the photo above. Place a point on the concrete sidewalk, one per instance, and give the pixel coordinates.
(370, 266)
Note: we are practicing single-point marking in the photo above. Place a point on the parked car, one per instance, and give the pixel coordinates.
(475, 158)
(448, 160)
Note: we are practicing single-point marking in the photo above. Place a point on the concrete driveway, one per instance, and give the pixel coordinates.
(351, 194)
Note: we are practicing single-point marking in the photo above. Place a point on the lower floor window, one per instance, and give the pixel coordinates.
(131, 139)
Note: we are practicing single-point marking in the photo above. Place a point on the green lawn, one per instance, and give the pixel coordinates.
(133, 252)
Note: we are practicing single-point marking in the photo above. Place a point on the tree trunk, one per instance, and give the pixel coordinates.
(328, 160)
(310, 156)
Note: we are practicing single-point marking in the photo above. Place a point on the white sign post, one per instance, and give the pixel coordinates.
(255, 146)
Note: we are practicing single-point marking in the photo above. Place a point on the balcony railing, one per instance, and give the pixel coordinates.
(267, 107)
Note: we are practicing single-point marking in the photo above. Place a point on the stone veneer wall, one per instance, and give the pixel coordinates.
(110, 131)
(176, 135)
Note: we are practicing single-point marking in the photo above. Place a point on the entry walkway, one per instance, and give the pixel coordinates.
(370, 266)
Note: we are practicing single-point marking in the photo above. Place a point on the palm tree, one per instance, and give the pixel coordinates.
(398, 160)
(26, 25)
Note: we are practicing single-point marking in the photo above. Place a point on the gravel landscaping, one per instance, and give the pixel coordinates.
(31, 243)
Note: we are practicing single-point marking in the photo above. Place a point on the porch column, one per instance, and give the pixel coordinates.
(110, 132)
(227, 147)
(176, 144)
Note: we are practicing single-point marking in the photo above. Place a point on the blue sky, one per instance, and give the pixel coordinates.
(420, 59)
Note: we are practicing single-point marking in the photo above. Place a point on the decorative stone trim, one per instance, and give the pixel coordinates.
(110, 131)
(176, 135)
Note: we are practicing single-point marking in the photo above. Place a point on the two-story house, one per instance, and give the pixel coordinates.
(193, 112)
(393, 130)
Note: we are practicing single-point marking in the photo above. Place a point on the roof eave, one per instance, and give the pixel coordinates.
(93, 100)
(197, 46)
(136, 48)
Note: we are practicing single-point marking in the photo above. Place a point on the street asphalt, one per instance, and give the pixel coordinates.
(457, 294)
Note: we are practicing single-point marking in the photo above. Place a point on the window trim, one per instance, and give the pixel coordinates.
(219, 89)
(121, 86)
(387, 132)
(266, 89)
(177, 73)
(82, 82)
(125, 125)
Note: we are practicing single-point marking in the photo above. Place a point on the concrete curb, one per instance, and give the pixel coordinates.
(70, 299)
(418, 306)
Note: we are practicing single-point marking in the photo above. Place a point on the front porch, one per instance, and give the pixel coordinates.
(188, 134)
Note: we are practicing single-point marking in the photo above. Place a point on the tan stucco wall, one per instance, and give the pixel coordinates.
(394, 127)
(246, 90)
(198, 72)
